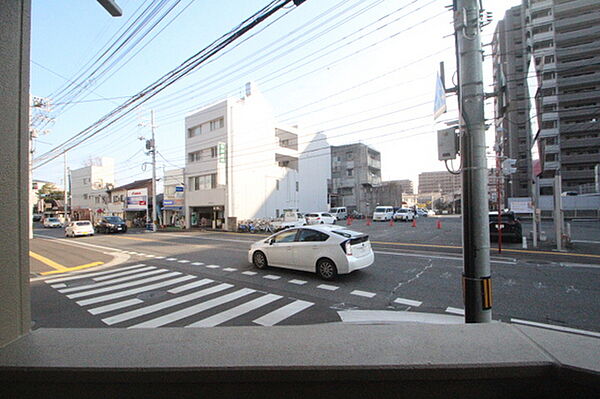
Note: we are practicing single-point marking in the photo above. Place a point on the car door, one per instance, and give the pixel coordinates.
(279, 252)
(308, 248)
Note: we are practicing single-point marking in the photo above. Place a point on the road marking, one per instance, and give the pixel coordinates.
(327, 287)
(272, 277)
(71, 269)
(57, 266)
(61, 285)
(189, 286)
(125, 273)
(124, 285)
(113, 281)
(456, 258)
(230, 269)
(171, 259)
(586, 241)
(584, 265)
(192, 310)
(297, 282)
(183, 261)
(408, 302)
(557, 328)
(159, 257)
(457, 311)
(365, 294)
(213, 266)
(115, 306)
(249, 273)
(197, 263)
(237, 311)
(86, 275)
(133, 291)
(137, 239)
(149, 256)
(276, 316)
(165, 304)
(394, 316)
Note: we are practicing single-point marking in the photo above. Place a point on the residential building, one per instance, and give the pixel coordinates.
(88, 188)
(389, 193)
(241, 164)
(132, 202)
(407, 186)
(173, 197)
(442, 182)
(355, 171)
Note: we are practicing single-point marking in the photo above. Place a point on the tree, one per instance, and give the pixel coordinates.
(50, 191)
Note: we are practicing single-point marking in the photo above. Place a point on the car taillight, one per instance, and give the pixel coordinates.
(318, 218)
(348, 248)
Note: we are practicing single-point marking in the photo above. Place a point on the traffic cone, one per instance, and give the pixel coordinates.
(439, 224)
(391, 222)
(368, 221)
(414, 223)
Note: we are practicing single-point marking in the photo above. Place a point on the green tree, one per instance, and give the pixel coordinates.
(50, 191)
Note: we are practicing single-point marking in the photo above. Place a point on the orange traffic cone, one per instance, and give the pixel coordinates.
(439, 224)
(391, 222)
(368, 221)
(414, 223)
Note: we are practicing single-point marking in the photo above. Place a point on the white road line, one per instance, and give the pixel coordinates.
(197, 263)
(61, 285)
(276, 316)
(230, 269)
(249, 273)
(159, 257)
(365, 294)
(213, 266)
(394, 316)
(114, 281)
(456, 258)
(115, 306)
(149, 256)
(133, 291)
(327, 287)
(124, 285)
(76, 244)
(192, 310)
(237, 311)
(408, 302)
(171, 259)
(183, 261)
(457, 311)
(110, 276)
(141, 254)
(165, 304)
(86, 275)
(298, 282)
(586, 241)
(272, 277)
(583, 265)
(557, 328)
(189, 286)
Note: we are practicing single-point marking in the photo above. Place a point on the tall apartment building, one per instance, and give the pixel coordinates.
(355, 171)
(407, 185)
(241, 164)
(442, 182)
(89, 185)
(562, 39)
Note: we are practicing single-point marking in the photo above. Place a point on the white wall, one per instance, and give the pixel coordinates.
(100, 174)
(315, 169)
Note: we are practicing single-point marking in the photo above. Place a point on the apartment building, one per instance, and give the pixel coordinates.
(406, 184)
(562, 43)
(442, 182)
(89, 185)
(355, 171)
(242, 164)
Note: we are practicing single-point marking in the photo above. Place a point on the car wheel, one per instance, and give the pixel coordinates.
(260, 260)
(322, 222)
(326, 269)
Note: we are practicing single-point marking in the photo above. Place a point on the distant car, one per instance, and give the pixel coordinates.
(52, 222)
(430, 212)
(569, 194)
(111, 224)
(383, 213)
(37, 217)
(422, 212)
(79, 228)
(509, 224)
(320, 218)
(339, 212)
(325, 250)
(404, 215)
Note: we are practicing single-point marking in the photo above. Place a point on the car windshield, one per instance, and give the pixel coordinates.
(114, 219)
(402, 210)
(53, 220)
(381, 210)
(82, 223)
(312, 215)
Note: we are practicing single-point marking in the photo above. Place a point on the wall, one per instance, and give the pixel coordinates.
(315, 169)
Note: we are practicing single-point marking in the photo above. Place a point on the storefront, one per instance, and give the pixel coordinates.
(207, 216)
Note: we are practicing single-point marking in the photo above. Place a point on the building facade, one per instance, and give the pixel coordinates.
(132, 202)
(407, 186)
(173, 198)
(389, 193)
(88, 188)
(355, 171)
(442, 182)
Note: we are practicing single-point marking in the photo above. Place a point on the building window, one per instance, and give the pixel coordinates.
(549, 59)
(213, 152)
(115, 198)
(194, 156)
(194, 131)
(217, 124)
(548, 76)
(349, 155)
(277, 184)
(85, 196)
(549, 124)
(204, 182)
(349, 172)
(297, 186)
(97, 200)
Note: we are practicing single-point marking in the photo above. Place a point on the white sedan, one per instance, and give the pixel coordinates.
(322, 249)
(79, 228)
(320, 218)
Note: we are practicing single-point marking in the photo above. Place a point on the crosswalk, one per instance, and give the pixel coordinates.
(123, 297)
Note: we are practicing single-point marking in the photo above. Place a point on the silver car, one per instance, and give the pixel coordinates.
(322, 249)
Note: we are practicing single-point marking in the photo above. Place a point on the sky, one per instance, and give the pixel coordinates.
(358, 70)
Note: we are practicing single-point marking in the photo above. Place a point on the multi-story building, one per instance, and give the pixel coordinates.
(241, 164)
(390, 193)
(442, 182)
(89, 185)
(355, 171)
(407, 186)
(173, 197)
(132, 202)
(562, 42)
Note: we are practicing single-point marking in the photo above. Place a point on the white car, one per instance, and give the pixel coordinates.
(320, 218)
(404, 215)
(422, 212)
(383, 213)
(339, 212)
(79, 228)
(322, 249)
(52, 222)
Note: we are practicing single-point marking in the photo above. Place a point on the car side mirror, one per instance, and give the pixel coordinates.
(271, 241)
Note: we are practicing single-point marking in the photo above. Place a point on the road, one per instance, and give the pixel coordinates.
(203, 279)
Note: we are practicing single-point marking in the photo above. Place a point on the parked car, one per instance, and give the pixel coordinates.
(111, 224)
(52, 222)
(339, 212)
(37, 217)
(79, 228)
(422, 212)
(404, 215)
(383, 213)
(320, 218)
(289, 219)
(325, 250)
(509, 224)
(430, 212)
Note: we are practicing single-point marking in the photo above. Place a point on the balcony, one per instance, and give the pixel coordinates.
(551, 148)
(575, 7)
(580, 143)
(573, 37)
(287, 139)
(286, 161)
(373, 163)
(578, 174)
(580, 158)
(581, 96)
(540, 5)
(549, 132)
(550, 116)
(551, 165)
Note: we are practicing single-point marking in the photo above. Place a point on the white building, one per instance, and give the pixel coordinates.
(89, 185)
(241, 164)
(173, 197)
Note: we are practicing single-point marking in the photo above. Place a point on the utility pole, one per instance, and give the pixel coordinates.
(153, 150)
(477, 289)
(66, 187)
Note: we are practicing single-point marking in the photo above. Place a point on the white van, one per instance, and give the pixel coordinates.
(383, 213)
(339, 212)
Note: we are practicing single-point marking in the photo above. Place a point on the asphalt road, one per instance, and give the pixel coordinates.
(411, 273)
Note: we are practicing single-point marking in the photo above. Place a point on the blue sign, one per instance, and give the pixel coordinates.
(168, 202)
(179, 189)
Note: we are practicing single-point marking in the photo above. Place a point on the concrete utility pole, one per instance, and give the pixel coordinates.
(476, 233)
(154, 202)
(66, 186)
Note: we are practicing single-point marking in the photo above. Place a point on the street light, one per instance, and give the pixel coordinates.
(112, 7)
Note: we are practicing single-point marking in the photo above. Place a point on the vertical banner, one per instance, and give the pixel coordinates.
(221, 163)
